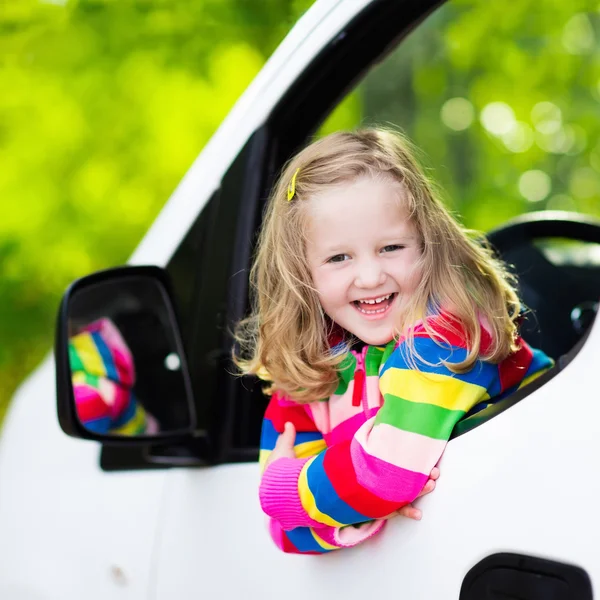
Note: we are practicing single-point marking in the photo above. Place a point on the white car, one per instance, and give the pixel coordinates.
(174, 514)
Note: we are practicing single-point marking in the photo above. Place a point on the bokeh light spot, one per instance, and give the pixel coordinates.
(578, 35)
(498, 118)
(546, 117)
(585, 183)
(535, 185)
(520, 138)
(457, 114)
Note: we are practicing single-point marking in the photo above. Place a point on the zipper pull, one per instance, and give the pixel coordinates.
(359, 382)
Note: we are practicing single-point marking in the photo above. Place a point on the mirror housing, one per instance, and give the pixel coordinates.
(121, 370)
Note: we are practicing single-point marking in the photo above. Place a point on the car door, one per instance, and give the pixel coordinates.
(213, 538)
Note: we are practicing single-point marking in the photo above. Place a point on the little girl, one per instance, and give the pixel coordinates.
(380, 323)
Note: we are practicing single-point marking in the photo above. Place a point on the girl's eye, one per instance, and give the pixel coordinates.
(393, 247)
(338, 258)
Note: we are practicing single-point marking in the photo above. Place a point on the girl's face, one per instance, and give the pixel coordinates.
(363, 253)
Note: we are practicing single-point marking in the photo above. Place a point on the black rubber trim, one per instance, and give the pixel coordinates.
(545, 224)
(249, 185)
(508, 576)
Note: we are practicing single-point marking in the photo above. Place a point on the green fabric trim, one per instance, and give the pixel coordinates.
(373, 360)
(345, 373)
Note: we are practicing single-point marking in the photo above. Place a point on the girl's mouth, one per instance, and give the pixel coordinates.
(375, 307)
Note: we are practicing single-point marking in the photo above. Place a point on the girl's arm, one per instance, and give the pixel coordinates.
(308, 443)
(386, 464)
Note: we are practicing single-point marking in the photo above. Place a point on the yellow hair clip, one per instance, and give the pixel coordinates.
(291, 191)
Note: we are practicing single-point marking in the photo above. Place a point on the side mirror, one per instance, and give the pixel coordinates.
(121, 372)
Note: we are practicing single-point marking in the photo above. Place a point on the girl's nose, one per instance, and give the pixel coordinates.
(369, 275)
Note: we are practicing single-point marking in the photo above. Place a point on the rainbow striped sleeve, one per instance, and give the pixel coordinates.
(103, 374)
(309, 442)
(387, 463)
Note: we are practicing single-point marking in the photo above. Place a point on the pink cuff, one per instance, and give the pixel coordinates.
(279, 497)
(346, 537)
(276, 532)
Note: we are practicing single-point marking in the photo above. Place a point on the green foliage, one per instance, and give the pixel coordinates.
(503, 100)
(105, 104)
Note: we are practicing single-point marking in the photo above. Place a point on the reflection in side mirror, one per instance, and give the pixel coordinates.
(121, 369)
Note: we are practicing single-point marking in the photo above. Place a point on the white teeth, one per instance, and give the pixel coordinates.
(376, 300)
(371, 312)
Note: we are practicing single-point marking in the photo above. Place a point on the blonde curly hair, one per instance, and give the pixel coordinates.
(285, 340)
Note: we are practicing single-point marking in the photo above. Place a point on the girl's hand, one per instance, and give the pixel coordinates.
(409, 510)
(284, 447)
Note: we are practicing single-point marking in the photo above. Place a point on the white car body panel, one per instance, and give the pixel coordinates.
(68, 530)
(498, 493)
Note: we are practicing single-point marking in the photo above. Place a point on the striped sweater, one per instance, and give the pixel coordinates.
(368, 450)
(103, 375)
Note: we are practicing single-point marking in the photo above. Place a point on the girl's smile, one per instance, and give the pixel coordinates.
(364, 256)
(375, 308)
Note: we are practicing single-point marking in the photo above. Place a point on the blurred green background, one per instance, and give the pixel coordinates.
(104, 104)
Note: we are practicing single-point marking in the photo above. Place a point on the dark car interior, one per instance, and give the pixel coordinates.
(556, 258)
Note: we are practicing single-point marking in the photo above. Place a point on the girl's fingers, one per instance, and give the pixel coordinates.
(289, 434)
(428, 488)
(435, 473)
(287, 438)
(411, 512)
